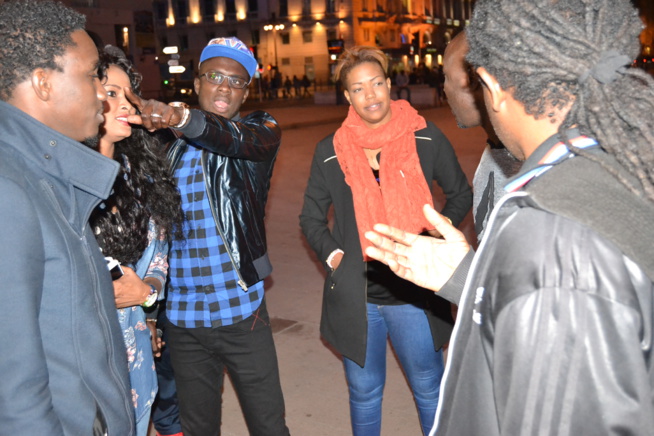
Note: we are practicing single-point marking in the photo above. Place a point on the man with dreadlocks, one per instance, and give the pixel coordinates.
(555, 327)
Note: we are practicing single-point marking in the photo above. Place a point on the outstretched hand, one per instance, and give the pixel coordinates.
(424, 260)
(154, 115)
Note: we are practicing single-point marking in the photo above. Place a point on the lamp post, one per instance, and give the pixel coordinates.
(274, 28)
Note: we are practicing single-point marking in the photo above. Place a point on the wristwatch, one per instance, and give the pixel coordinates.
(185, 116)
(152, 298)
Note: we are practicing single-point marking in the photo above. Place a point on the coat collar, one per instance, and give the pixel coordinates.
(56, 154)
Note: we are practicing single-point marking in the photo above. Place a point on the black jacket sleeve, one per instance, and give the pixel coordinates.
(255, 137)
(317, 201)
(444, 167)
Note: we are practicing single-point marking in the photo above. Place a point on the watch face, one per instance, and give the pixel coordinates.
(152, 298)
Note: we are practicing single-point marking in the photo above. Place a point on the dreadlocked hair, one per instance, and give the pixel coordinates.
(544, 51)
(32, 35)
(143, 190)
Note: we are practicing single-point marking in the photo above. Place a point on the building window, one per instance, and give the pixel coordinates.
(308, 60)
(160, 10)
(253, 5)
(286, 61)
(230, 7)
(307, 36)
(208, 8)
(330, 6)
(306, 7)
(366, 34)
(182, 11)
(331, 33)
(286, 38)
(255, 37)
(183, 42)
(283, 8)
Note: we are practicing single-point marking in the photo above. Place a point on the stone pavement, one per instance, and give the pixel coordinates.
(311, 372)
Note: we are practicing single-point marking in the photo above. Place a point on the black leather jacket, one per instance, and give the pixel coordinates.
(237, 161)
(555, 328)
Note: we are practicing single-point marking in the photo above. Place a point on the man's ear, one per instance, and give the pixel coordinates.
(496, 95)
(41, 84)
(196, 85)
(245, 95)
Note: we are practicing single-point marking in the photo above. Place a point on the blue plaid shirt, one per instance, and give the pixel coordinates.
(203, 289)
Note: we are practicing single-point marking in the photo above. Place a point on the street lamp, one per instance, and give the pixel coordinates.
(274, 28)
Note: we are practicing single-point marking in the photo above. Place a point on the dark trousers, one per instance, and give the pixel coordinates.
(246, 349)
(165, 411)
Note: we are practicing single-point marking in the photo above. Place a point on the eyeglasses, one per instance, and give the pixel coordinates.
(217, 79)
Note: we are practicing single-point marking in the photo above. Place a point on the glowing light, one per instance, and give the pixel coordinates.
(171, 50)
(176, 69)
(241, 15)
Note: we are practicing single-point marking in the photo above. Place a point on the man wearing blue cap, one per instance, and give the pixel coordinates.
(218, 319)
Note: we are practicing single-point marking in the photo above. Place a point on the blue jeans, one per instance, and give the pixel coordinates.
(409, 332)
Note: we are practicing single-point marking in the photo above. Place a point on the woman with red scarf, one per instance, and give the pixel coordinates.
(378, 168)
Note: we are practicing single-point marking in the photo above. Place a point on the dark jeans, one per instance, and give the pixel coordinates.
(247, 350)
(165, 411)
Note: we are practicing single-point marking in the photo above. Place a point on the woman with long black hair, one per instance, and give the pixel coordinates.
(133, 225)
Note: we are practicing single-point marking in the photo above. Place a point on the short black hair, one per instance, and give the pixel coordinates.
(543, 51)
(32, 35)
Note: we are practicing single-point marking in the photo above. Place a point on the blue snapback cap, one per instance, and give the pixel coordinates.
(232, 48)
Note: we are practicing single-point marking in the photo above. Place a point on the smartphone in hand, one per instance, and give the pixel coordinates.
(114, 268)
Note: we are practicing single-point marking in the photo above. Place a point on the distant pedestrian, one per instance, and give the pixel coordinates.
(306, 83)
(297, 84)
(402, 82)
(287, 87)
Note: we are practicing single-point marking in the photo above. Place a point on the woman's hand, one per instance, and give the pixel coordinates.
(157, 343)
(130, 290)
(336, 260)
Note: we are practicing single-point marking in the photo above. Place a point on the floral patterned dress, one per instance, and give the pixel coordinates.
(142, 373)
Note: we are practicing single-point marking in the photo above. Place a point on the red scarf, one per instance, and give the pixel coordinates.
(402, 190)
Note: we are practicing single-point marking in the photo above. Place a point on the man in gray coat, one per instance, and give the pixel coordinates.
(63, 369)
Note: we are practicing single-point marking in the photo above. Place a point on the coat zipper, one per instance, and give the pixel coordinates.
(104, 321)
(240, 282)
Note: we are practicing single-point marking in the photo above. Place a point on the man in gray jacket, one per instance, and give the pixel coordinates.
(63, 369)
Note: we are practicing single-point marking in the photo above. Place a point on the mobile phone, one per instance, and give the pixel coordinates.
(114, 268)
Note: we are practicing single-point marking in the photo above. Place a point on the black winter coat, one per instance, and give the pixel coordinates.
(344, 322)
